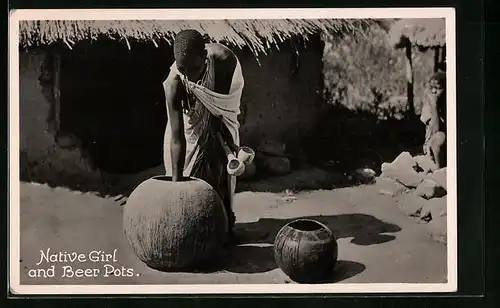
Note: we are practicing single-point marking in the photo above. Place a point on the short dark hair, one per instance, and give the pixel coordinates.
(188, 43)
(440, 78)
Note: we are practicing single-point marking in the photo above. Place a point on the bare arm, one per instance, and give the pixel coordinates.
(435, 123)
(173, 95)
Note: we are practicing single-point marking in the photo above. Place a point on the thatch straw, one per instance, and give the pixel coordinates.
(258, 35)
(425, 33)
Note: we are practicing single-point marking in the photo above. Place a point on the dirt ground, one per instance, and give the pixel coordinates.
(378, 243)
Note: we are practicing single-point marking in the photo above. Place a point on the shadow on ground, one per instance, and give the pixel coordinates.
(364, 229)
(245, 259)
(255, 251)
(250, 259)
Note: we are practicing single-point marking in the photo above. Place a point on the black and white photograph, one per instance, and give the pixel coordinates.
(196, 151)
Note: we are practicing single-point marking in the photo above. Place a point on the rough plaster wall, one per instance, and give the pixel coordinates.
(281, 105)
(41, 159)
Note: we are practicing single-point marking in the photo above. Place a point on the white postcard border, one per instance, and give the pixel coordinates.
(158, 14)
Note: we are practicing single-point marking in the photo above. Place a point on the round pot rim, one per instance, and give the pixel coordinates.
(322, 225)
(247, 150)
(191, 178)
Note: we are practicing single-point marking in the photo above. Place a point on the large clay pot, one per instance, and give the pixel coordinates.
(175, 225)
(306, 250)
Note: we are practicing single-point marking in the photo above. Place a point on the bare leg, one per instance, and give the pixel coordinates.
(438, 149)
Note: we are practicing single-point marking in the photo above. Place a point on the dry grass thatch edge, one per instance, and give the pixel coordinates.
(424, 33)
(258, 35)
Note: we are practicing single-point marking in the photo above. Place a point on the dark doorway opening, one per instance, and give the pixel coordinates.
(112, 100)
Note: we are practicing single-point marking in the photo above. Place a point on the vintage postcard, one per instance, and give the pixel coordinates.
(232, 151)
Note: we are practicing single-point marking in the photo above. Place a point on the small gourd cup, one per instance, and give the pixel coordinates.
(246, 155)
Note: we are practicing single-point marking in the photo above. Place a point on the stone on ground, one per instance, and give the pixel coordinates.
(429, 189)
(438, 229)
(277, 165)
(384, 166)
(404, 161)
(365, 175)
(402, 169)
(411, 204)
(433, 209)
(440, 177)
(389, 186)
(366, 172)
(408, 177)
(272, 147)
(425, 163)
(426, 199)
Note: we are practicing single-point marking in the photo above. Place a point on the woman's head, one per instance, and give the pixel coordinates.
(190, 53)
(436, 101)
(437, 82)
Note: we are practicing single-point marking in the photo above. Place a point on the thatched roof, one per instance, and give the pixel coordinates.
(424, 33)
(258, 35)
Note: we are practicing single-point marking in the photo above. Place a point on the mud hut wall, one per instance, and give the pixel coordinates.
(41, 159)
(280, 100)
(278, 103)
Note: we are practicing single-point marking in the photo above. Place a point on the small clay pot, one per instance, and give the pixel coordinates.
(306, 251)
